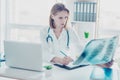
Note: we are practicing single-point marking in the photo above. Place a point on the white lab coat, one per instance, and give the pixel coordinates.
(51, 49)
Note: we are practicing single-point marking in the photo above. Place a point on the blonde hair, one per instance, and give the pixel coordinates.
(58, 7)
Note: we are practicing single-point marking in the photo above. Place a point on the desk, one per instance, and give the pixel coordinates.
(83, 73)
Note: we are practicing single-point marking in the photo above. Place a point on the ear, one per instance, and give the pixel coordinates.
(52, 16)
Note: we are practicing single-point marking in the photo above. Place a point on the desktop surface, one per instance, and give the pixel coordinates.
(83, 73)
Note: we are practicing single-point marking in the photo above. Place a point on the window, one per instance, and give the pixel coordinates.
(31, 12)
(19, 17)
(2, 22)
(0, 25)
(26, 14)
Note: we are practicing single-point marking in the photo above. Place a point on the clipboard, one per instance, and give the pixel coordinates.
(69, 67)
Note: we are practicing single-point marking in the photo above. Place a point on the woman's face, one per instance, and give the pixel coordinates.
(60, 18)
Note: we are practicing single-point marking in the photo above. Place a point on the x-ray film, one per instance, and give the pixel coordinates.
(98, 51)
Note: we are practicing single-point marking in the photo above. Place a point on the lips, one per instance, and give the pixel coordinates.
(62, 24)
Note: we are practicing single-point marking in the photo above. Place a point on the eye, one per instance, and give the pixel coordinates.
(66, 17)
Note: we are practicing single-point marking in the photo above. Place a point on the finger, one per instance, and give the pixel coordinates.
(66, 59)
(65, 63)
(69, 58)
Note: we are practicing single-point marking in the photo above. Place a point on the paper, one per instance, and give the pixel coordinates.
(98, 51)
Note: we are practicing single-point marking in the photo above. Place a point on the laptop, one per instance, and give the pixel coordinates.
(96, 51)
(23, 55)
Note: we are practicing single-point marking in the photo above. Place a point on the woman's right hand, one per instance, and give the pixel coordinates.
(64, 60)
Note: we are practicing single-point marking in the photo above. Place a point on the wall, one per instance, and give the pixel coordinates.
(109, 21)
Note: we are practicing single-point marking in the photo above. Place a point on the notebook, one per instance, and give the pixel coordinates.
(23, 55)
(96, 51)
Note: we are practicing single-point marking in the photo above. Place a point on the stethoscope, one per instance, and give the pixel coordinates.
(49, 37)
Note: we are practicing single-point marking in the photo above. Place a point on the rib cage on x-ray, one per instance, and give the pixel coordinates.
(98, 51)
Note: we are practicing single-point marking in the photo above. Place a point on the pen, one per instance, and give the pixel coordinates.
(63, 53)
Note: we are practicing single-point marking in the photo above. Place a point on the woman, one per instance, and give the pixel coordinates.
(60, 41)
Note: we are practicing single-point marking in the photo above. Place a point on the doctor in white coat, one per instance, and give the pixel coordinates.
(60, 42)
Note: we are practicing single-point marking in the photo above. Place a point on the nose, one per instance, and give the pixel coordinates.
(64, 20)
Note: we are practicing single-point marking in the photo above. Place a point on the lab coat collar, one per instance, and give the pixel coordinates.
(51, 32)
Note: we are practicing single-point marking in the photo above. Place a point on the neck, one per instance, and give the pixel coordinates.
(57, 32)
(58, 29)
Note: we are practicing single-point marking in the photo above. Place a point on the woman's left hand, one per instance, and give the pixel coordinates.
(106, 65)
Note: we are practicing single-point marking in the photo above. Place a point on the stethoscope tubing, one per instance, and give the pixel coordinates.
(50, 37)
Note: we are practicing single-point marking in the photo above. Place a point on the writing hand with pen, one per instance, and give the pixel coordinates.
(65, 60)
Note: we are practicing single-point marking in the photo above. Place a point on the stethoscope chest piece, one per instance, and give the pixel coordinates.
(49, 38)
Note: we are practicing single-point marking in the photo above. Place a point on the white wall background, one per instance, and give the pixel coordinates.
(109, 21)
